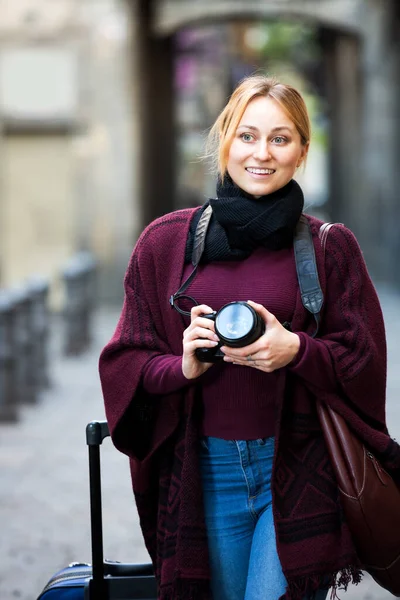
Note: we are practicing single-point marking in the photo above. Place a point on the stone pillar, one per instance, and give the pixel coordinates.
(108, 206)
(154, 90)
(343, 91)
(379, 146)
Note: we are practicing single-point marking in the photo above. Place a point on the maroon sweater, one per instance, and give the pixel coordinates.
(160, 435)
(239, 402)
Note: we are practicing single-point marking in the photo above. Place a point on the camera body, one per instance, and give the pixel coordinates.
(237, 324)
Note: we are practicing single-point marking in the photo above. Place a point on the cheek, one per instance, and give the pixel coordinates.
(236, 153)
(290, 159)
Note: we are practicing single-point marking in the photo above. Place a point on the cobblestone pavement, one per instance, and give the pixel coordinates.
(44, 498)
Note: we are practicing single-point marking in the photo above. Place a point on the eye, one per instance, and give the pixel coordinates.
(279, 139)
(246, 137)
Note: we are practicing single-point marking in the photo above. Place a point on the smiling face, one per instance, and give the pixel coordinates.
(266, 148)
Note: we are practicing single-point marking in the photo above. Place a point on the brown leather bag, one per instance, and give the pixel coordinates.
(369, 496)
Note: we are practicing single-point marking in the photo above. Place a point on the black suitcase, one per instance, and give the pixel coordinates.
(103, 580)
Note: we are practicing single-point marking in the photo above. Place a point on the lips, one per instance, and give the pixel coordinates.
(257, 171)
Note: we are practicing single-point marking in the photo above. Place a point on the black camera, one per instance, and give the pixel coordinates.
(237, 324)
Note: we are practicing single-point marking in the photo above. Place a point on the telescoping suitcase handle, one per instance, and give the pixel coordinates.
(96, 432)
(110, 576)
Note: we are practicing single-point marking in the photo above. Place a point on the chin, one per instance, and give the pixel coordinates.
(258, 190)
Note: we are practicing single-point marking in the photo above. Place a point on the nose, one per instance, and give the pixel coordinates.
(262, 151)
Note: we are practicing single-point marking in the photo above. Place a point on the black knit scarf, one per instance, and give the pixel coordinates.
(240, 222)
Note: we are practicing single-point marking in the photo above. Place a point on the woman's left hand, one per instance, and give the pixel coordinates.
(275, 349)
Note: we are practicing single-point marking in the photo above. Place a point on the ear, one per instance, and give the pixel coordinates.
(303, 155)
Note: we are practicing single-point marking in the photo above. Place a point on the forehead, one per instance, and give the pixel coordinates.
(265, 113)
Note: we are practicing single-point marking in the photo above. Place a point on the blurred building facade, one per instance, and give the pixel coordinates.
(104, 104)
(67, 135)
(360, 76)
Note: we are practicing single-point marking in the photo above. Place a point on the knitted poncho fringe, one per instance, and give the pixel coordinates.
(160, 434)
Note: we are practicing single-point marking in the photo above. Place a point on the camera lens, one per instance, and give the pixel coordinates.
(237, 324)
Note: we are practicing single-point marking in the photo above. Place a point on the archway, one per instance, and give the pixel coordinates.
(338, 35)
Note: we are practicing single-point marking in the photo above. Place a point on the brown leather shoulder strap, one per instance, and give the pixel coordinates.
(323, 234)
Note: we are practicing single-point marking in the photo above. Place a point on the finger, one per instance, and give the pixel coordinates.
(202, 309)
(242, 363)
(261, 365)
(200, 332)
(201, 322)
(267, 316)
(242, 353)
(191, 346)
(202, 328)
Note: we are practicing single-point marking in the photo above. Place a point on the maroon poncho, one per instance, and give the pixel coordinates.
(160, 433)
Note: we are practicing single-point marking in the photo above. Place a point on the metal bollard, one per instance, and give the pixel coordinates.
(78, 278)
(72, 342)
(25, 364)
(38, 288)
(8, 391)
(88, 297)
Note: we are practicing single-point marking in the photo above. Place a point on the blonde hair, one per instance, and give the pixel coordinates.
(223, 131)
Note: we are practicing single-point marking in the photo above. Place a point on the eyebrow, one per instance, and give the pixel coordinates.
(274, 130)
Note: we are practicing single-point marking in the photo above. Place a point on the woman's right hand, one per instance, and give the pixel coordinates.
(199, 334)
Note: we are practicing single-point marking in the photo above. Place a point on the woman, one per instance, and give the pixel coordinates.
(232, 481)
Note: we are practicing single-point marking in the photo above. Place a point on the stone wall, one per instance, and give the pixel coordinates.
(171, 15)
(67, 178)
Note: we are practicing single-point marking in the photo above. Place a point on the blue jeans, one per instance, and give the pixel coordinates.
(236, 479)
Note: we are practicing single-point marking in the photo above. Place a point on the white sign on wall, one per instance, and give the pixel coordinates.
(39, 85)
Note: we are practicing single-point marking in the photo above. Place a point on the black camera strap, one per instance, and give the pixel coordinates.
(306, 267)
(198, 249)
(307, 272)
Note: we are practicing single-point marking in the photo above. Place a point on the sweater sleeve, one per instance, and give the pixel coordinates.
(313, 363)
(348, 358)
(163, 375)
(138, 421)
